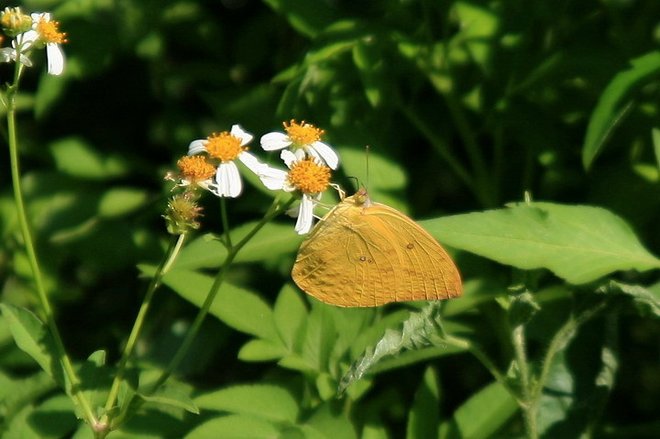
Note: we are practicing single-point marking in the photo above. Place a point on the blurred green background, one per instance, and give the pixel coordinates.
(465, 105)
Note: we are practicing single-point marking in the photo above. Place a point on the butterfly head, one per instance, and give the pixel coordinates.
(361, 198)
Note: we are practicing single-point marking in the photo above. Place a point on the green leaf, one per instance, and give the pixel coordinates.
(423, 419)
(481, 415)
(172, 394)
(121, 201)
(646, 302)
(75, 157)
(655, 137)
(577, 243)
(33, 338)
(234, 427)
(289, 314)
(265, 401)
(330, 419)
(241, 309)
(615, 101)
(95, 378)
(262, 350)
(308, 18)
(53, 418)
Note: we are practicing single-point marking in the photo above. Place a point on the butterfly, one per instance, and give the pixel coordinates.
(364, 254)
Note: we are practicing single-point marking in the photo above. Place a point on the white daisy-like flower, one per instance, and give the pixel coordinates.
(304, 140)
(224, 148)
(307, 175)
(45, 32)
(11, 54)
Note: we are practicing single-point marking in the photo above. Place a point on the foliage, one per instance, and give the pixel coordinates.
(472, 111)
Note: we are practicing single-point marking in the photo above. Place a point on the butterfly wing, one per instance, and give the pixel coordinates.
(369, 256)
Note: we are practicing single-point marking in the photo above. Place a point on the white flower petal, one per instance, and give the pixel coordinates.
(326, 153)
(300, 154)
(55, 57)
(239, 133)
(25, 40)
(228, 180)
(274, 141)
(273, 178)
(197, 146)
(252, 163)
(305, 216)
(36, 16)
(288, 157)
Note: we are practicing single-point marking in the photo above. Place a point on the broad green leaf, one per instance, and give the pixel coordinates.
(369, 60)
(121, 201)
(615, 101)
(75, 157)
(577, 243)
(262, 350)
(481, 415)
(234, 427)
(423, 418)
(374, 431)
(289, 313)
(265, 401)
(32, 336)
(239, 308)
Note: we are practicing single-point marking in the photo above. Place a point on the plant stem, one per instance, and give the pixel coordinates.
(527, 404)
(163, 268)
(74, 382)
(274, 210)
(225, 222)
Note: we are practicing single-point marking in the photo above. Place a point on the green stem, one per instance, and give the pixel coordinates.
(225, 222)
(274, 210)
(163, 268)
(74, 381)
(527, 404)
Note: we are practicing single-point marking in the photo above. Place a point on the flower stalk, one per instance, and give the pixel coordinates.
(73, 386)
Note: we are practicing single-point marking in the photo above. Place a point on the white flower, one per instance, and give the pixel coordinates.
(304, 140)
(45, 32)
(10, 54)
(224, 148)
(306, 175)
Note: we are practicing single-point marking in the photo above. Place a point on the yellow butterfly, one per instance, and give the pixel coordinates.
(367, 254)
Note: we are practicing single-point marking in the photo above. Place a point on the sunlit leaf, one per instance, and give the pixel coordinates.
(265, 401)
(577, 243)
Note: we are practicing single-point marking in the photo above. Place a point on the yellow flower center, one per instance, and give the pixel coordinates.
(13, 20)
(302, 134)
(49, 32)
(224, 146)
(195, 168)
(309, 176)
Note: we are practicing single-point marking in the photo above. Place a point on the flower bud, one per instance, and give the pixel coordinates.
(15, 22)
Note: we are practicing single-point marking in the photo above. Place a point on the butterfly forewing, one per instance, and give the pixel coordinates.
(369, 255)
